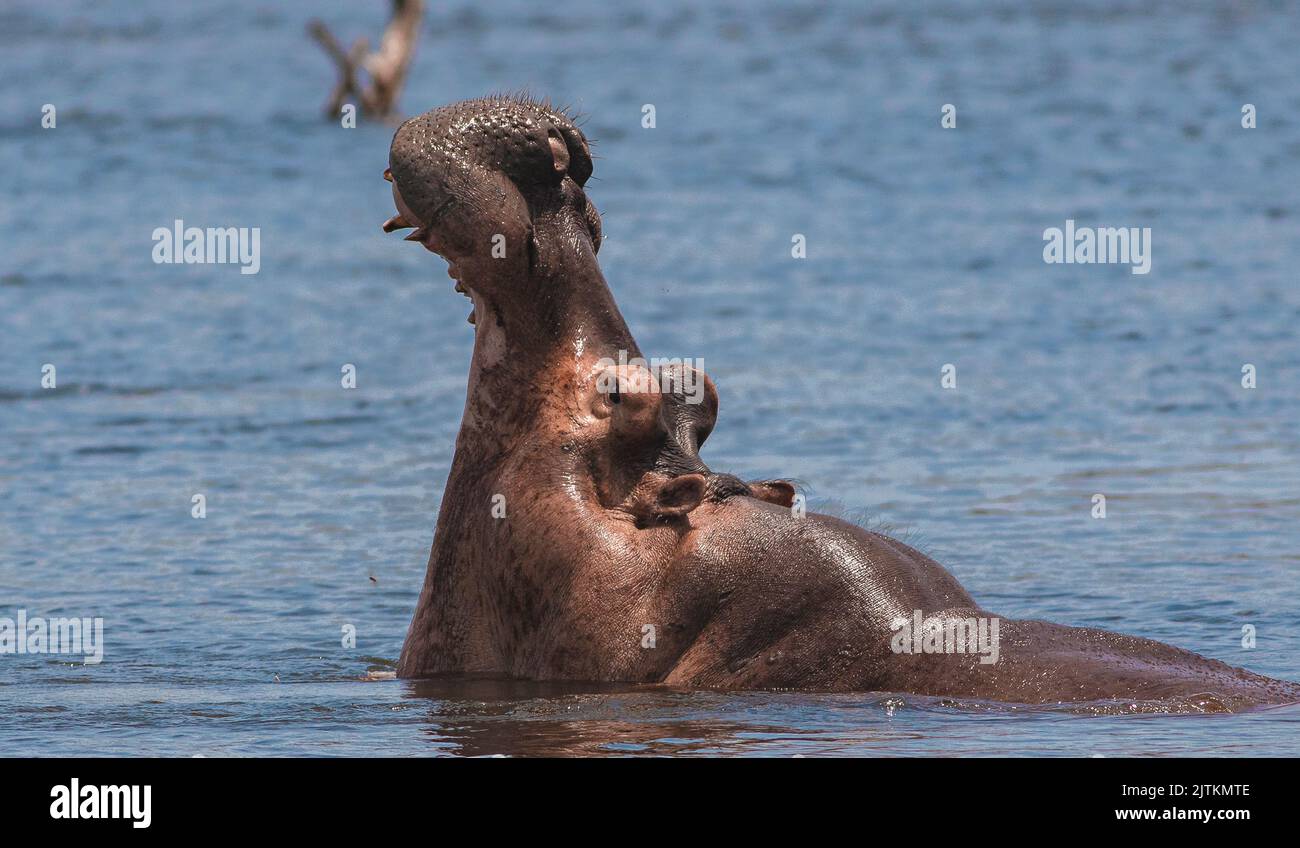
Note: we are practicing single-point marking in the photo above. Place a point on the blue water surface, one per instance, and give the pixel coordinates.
(223, 636)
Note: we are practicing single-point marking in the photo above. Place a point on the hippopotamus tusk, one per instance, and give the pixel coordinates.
(397, 222)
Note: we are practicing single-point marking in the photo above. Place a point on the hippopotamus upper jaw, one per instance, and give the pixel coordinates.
(495, 186)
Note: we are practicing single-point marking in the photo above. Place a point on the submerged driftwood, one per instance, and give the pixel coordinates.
(386, 68)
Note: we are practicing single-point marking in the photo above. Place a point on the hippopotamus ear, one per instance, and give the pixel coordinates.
(779, 492)
(677, 496)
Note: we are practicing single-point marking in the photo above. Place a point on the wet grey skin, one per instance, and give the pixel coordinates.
(578, 516)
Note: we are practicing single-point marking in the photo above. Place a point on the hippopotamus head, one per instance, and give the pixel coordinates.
(495, 186)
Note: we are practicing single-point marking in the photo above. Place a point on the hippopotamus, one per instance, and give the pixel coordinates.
(581, 537)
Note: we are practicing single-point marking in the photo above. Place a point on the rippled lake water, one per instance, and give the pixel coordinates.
(223, 635)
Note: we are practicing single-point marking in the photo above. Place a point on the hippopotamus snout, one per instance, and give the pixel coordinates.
(530, 142)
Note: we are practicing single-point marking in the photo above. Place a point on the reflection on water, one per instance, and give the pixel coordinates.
(478, 717)
(924, 248)
(511, 718)
(484, 718)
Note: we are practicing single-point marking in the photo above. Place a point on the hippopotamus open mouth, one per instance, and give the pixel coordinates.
(491, 169)
(580, 535)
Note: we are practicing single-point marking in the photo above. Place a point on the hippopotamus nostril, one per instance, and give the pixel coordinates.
(559, 151)
(580, 166)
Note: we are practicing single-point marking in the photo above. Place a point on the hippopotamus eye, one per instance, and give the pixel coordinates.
(614, 396)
